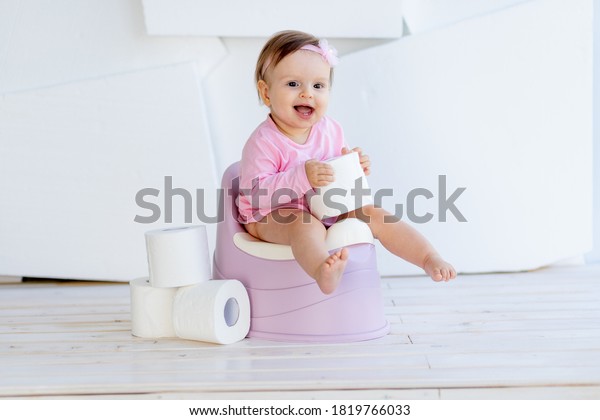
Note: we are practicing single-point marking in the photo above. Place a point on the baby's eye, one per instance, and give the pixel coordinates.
(293, 84)
(319, 86)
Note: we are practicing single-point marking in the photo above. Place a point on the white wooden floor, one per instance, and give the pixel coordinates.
(529, 335)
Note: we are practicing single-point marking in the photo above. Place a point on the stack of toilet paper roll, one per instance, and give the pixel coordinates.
(178, 299)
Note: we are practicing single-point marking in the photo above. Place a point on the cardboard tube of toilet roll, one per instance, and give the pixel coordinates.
(337, 198)
(217, 311)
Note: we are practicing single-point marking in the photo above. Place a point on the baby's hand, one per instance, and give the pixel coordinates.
(318, 173)
(364, 159)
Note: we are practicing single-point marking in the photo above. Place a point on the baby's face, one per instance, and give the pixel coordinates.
(297, 92)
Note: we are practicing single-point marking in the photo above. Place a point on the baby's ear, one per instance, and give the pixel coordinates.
(263, 91)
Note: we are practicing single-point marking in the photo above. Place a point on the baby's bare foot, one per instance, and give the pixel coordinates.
(330, 272)
(438, 269)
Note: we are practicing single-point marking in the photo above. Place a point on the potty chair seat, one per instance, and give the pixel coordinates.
(286, 304)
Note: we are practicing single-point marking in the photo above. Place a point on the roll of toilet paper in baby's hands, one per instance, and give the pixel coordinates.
(348, 192)
(178, 256)
(151, 309)
(217, 311)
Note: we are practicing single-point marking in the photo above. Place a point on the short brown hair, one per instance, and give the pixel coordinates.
(278, 47)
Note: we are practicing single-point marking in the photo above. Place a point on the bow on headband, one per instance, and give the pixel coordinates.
(328, 53)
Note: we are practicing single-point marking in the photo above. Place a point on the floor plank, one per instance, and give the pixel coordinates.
(519, 335)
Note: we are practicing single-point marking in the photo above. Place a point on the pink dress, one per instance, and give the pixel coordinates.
(272, 174)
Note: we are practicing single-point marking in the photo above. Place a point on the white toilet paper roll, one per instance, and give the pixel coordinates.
(178, 256)
(337, 198)
(151, 309)
(217, 311)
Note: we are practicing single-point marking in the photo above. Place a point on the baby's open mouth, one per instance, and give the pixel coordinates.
(304, 109)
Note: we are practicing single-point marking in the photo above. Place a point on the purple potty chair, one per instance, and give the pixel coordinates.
(285, 303)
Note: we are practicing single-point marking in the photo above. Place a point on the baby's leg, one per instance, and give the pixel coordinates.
(405, 242)
(306, 235)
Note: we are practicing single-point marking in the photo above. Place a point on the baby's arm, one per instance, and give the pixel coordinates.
(263, 186)
(267, 188)
(365, 162)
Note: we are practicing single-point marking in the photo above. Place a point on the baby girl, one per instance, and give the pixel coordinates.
(284, 159)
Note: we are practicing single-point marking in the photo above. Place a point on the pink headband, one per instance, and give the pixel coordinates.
(328, 53)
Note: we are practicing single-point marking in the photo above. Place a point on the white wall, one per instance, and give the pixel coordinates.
(93, 108)
(74, 158)
(48, 43)
(594, 256)
(426, 15)
(504, 114)
(261, 18)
